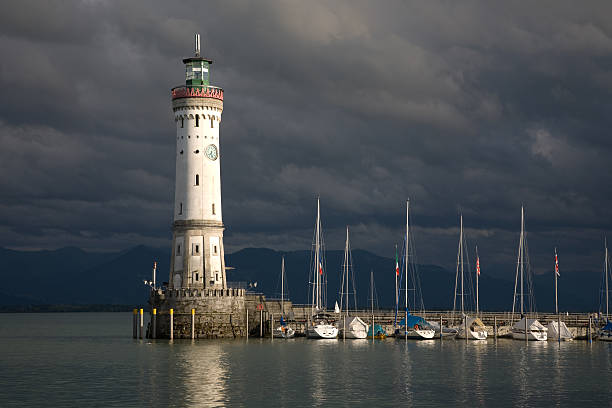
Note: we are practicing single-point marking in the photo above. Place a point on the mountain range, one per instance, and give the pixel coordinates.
(71, 276)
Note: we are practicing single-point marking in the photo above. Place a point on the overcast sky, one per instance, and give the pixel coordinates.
(478, 107)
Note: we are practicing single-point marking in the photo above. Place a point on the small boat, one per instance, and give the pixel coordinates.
(525, 329)
(605, 333)
(320, 325)
(349, 327)
(446, 331)
(416, 329)
(410, 327)
(535, 330)
(554, 333)
(558, 330)
(471, 328)
(379, 332)
(283, 331)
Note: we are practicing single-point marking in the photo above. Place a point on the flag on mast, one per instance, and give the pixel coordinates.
(557, 265)
(396, 264)
(478, 266)
(320, 269)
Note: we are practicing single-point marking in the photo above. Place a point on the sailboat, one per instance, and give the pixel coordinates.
(319, 326)
(283, 330)
(375, 331)
(526, 328)
(558, 330)
(410, 327)
(605, 333)
(471, 328)
(350, 327)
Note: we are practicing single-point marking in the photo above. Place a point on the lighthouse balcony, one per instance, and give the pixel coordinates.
(199, 293)
(197, 91)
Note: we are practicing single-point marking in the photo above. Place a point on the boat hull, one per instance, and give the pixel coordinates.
(605, 335)
(532, 335)
(415, 334)
(472, 334)
(354, 334)
(284, 332)
(322, 331)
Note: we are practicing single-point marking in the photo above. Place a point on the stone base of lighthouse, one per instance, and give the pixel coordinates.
(218, 313)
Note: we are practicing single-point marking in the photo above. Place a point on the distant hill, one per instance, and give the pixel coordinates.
(71, 276)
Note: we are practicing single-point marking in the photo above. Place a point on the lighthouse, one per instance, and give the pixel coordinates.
(197, 260)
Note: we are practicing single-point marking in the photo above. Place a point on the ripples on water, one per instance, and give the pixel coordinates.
(89, 359)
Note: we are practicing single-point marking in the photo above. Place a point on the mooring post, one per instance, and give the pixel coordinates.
(590, 336)
(154, 324)
(141, 322)
(247, 323)
(465, 328)
(135, 324)
(171, 324)
(192, 324)
(344, 329)
(440, 326)
(272, 326)
(495, 327)
(261, 323)
(526, 337)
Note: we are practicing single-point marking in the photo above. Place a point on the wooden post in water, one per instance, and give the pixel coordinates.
(247, 323)
(272, 326)
(590, 336)
(192, 324)
(440, 326)
(344, 329)
(171, 324)
(526, 337)
(465, 328)
(135, 324)
(141, 322)
(261, 323)
(154, 324)
(495, 327)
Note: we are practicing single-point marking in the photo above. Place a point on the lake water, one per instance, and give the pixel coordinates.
(90, 359)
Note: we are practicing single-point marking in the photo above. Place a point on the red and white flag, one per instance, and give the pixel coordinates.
(557, 265)
(320, 269)
(478, 266)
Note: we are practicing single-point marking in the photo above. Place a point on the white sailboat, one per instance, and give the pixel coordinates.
(283, 330)
(605, 333)
(558, 330)
(320, 325)
(411, 327)
(471, 328)
(349, 327)
(526, 328)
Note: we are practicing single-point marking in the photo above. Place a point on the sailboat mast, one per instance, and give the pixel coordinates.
(461, 251)
(521, 243)
(556, 298)
(283, 286)
(477, 276)
(346, 269)
(406, 260)
(606, 270)
(317, 257)
(396, 288)
(372, 294)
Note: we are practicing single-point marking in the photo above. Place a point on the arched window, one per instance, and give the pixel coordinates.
(197, 121)
(182, 122)
(197, 181)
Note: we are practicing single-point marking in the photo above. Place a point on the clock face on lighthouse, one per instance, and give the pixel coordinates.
(211, 152)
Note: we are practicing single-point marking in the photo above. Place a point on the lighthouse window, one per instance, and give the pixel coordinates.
(197, 121)
(197, 151)
(180, 208)
(178, 249)
(197, 277)
(215, 249)
(181, 152)
(182, 122)
(212, 118)
(216, 276)
(197, 249)
(213, 209)
(197, 181)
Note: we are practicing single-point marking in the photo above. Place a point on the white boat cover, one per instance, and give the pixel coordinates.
(354, 323)
(532, 325)
(553, 332)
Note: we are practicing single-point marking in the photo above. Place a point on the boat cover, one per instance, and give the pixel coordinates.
(553, 333)
(378, 330)
(355, 322)
(532, 324)
(415, 320)
(608, 326)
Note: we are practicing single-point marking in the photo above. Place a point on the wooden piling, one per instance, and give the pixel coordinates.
(141, 325)
(272, 327)
(440, 327)
(135, 324)
(261, 323)
(192, 324)
(247, 323)
(526, 337)
(590, 334)
(495, 327)
(154, 324)
(171, 324)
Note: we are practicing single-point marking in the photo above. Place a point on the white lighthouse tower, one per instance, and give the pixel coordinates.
(197, 255)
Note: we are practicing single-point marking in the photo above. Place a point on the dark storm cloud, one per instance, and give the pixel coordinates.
(477, 107)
